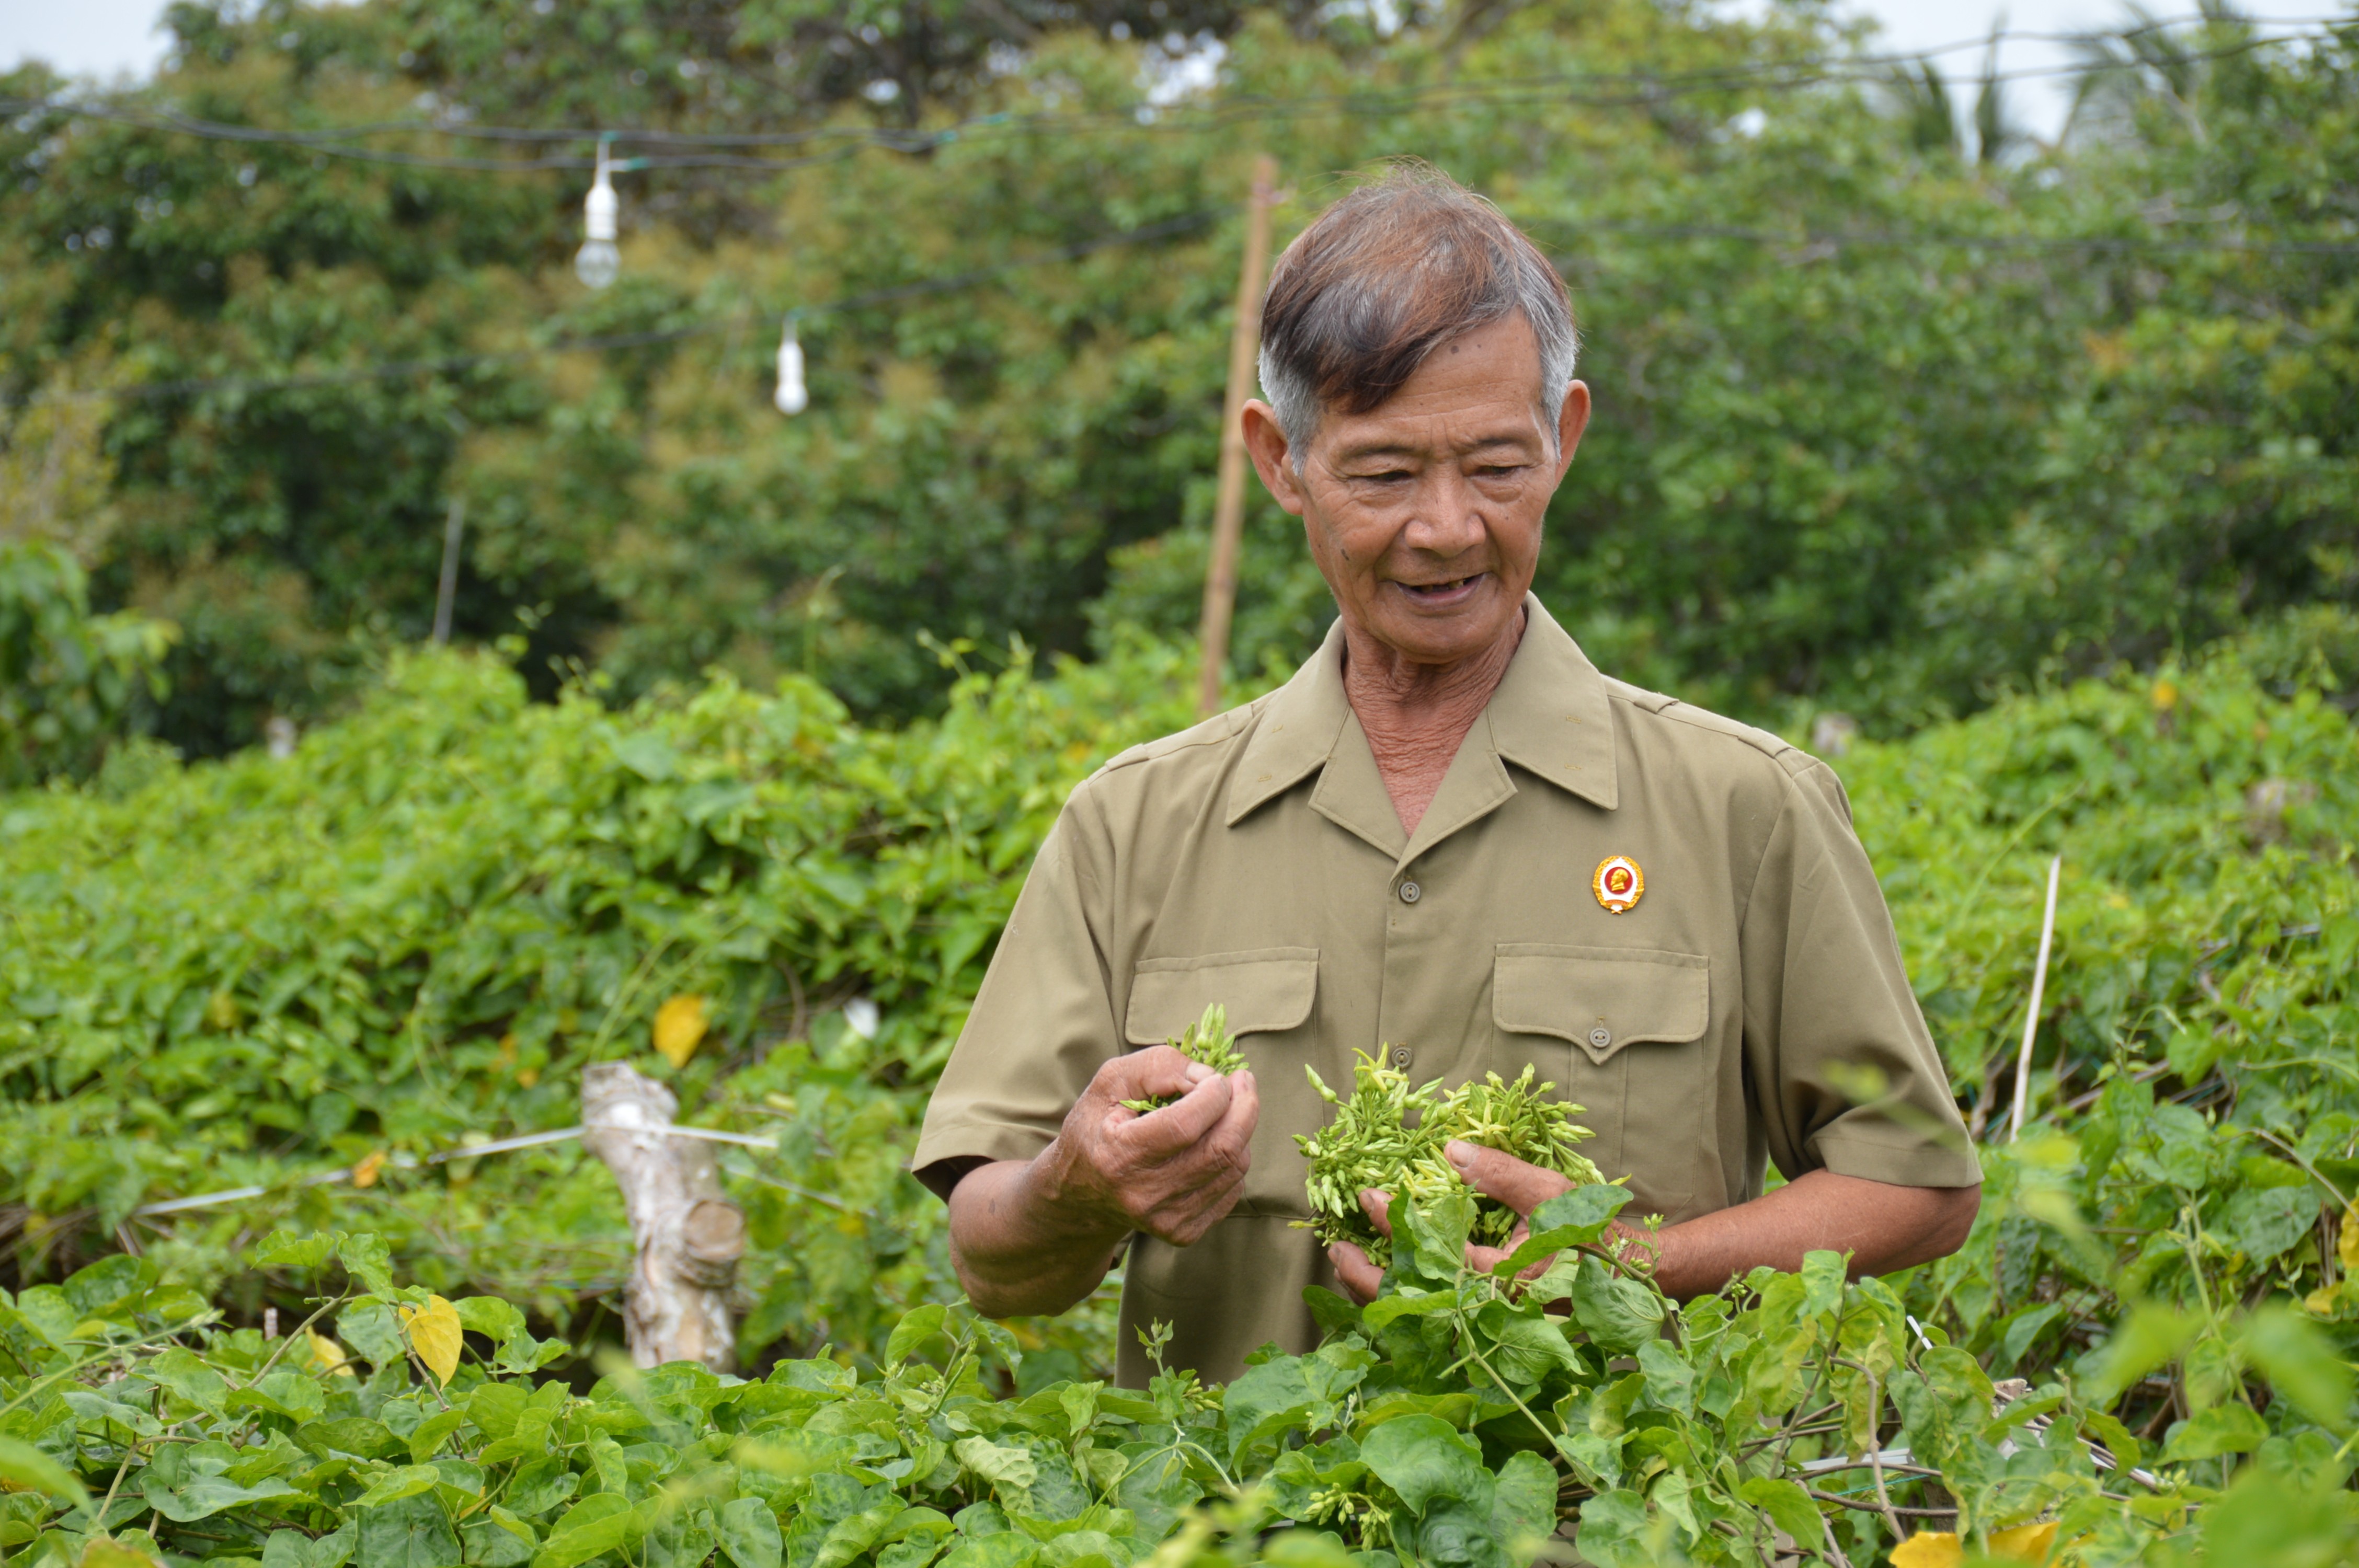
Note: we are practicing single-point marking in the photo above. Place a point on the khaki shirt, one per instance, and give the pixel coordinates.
(1751, 1006)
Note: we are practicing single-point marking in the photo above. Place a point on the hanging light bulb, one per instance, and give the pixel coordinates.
(792, 396)
(597, 262)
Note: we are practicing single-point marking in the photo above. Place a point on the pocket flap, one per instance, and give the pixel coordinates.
(1265, 990)
(1600, 998)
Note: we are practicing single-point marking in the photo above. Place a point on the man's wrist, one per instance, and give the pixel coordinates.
(1065, 1208)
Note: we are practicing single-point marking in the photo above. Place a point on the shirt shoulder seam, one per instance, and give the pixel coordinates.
(1221, 729)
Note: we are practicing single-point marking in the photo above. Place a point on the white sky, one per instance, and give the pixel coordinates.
(105, 39)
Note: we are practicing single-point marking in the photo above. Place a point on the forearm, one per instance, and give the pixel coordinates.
(1883, 1226)
(1017, 1250)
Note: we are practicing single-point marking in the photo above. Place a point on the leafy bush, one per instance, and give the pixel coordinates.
(1451, 1421)
(409, 935)
(412, 933)
(68, 678)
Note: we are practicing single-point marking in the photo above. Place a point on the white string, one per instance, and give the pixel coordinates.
(464, 1151)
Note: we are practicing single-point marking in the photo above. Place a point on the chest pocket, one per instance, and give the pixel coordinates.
(1635, 1057)
(1271, 994)
(1266, 992)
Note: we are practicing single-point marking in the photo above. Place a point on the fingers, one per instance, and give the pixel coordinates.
(1355, 1272)
(1153, 1073)
(1522, 1187)
(1379, 1208)
(1216, 1110)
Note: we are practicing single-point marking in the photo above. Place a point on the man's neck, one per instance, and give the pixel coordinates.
(1416, 716)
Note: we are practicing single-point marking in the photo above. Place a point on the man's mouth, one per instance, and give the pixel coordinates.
(1441, 592)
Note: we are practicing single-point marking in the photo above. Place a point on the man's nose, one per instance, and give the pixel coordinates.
(1449, 516)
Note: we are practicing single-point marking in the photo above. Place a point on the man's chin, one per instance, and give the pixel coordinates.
(1444, 635)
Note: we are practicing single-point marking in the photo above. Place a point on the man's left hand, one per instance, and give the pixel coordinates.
(1884, 1227)
(1522, 1186)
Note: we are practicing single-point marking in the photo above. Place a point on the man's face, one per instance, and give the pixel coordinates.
(1425, 515)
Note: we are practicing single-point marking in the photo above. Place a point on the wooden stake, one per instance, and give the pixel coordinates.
(1229, 504)
(689, 1235)
(2039, 985)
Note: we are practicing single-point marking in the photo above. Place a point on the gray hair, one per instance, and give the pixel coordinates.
(1389, 274)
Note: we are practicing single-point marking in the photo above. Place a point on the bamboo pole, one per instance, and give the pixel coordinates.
(1229, 504)
(446, 590)
(2038, 987)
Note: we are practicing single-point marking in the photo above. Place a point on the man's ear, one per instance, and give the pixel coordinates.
(1571, 420)
(1272, 459)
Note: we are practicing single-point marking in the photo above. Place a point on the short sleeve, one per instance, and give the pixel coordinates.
(1845, 1073)
(1041, 1025)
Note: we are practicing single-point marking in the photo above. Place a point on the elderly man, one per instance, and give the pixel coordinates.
(1449, 838)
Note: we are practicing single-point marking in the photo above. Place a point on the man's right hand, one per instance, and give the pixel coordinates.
(1036, 1235)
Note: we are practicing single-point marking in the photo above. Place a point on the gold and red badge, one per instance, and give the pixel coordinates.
(1619, 883)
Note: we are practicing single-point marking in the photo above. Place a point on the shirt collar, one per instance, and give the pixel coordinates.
(1549, 717)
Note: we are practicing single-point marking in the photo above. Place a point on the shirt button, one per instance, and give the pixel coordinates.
(1402, 1056)
(1411, 893)
(1601, 1037)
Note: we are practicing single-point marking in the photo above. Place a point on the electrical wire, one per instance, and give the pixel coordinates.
(705, 149)
(1822, 244)
(394, 369)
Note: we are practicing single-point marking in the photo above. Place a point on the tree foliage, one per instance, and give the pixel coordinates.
(1881, 427)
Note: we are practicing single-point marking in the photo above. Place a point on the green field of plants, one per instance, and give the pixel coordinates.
(408, 937)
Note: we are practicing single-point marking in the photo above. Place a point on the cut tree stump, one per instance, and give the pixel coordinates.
(687, 1233)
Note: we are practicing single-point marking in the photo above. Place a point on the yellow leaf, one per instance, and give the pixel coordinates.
(2322, 1299)
(2348, 1248)
(680, 1024)
(222, 1010)
(2024, 1542)
(2165, 696)
(329, 1355)
(435, 1335)
(364, 1174)
(1928, 1549)
(527, 1077)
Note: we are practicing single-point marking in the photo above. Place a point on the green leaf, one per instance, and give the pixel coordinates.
(1577, 1218)
(1618, 1314)
(286, 1249)
(914, 1329)
(290, 1394)
(1331, 1313)
(1422, 1458)
(1266, 1403)
(1789, 1508)
(1435, 1229)
(22, 1465)
(370, 1261)
(2151, 1337)
(1617, 1532)
(2223, 1429)
(189, 1379)
(2301, 1364)
(597, 1524)
(413, 1532)
(495, 1408)
(748, 1533)
(494, 1319)
(1823, 1281)
(1002, 1466)
(1523, 1504)
(409, 1481)
(1671, 1381)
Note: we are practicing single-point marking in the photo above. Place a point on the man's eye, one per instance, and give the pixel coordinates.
(1385, 476)
(1501, 471)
